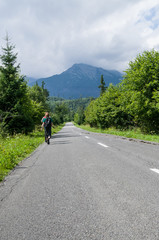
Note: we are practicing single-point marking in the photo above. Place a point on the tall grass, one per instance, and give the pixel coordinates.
(133, 133)
(14, 149)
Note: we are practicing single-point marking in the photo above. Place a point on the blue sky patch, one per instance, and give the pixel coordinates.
(150, 16)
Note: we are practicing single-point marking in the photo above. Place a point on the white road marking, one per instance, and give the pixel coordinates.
(155, 170)
(87, 137)
(103, 145)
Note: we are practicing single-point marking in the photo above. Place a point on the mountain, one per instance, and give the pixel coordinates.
(30, 80)
(80, 80)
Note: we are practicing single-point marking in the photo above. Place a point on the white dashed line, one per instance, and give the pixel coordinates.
(103, 145)
(155, 170)
(87, 137)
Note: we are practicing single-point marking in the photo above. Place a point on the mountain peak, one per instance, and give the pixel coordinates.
(80, 80)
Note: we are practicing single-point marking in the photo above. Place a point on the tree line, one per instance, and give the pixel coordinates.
(134, 102)
(21, 106)
(65, 110)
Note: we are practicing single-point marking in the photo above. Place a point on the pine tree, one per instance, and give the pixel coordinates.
(14, 103)
(45, 91)
(10, 82)
(102, 85)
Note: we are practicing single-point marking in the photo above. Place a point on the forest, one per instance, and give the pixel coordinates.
(67, 110)
(133, 103)
(21, 106)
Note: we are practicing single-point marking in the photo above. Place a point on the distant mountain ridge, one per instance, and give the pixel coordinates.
(30, 80)
(81, 80)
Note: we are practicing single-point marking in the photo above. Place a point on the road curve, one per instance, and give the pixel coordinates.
(83, 186)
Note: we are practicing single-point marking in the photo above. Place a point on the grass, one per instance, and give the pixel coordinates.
(16, 148)
(134, 133)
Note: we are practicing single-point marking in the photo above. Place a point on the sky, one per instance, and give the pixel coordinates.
(52, 35)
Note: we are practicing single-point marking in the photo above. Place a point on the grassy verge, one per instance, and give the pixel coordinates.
(134, 133)
(14, 149)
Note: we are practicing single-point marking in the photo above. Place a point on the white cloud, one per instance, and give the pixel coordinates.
(52, 35)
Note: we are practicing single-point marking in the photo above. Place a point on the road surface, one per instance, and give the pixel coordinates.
(83, 186)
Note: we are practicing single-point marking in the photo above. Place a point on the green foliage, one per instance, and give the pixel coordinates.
(60, 113)
(107, 111)
(21, 107)
(91, 113)
(14, 149)
(130, 133)
(102, 85)
(79, 116)
(73, 104)
(39, 94)
(141, 85)
(134, 102)
(39, 97)
(14, 101)
(37, 112)
(67, 108)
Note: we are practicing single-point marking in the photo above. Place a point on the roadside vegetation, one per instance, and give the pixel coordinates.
(132, 133)
(21, 106)
(132, 104)
(15, 148)
(21, 110)
(129, 109)
(68, 109)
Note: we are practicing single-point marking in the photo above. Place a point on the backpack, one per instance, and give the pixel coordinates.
(47, 123)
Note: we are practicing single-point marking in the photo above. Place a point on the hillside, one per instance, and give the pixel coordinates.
(80, 80)
(30, 80)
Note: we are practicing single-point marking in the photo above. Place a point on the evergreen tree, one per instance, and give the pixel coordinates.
(9, 79)
(45, 91)
(102, 85)
(14, 102)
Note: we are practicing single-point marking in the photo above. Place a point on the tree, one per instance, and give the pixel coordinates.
(107, 110)
(45, 91)
(60, 113)
(91, 113)
(39, 94)
(79, 116)
(14, 101)
(134, 102)
(110, 111)
(39, 97)
(140, 86)
(102, 85)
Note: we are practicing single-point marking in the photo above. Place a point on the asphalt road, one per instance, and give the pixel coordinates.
(83, 186)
